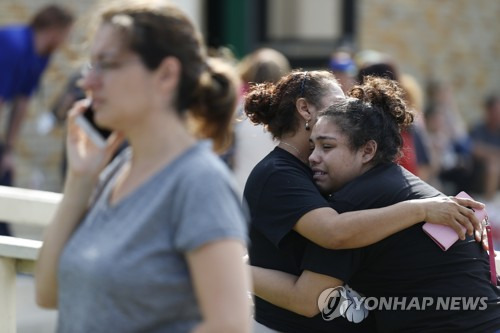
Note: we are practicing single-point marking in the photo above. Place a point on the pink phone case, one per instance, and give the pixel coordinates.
(445, 236)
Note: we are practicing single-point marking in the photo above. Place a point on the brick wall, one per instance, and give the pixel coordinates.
(457, 41)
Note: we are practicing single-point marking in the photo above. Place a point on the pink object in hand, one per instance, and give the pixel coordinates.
(445, 236)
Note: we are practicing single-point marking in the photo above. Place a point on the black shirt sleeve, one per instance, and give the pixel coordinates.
(340, 264)
(285, 197)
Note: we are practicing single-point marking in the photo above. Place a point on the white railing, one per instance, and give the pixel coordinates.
(18, 255)
(21, 206)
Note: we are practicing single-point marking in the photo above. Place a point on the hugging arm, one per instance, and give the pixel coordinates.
(290, 200)
(321, 269)
(325, 227)
(298, 294)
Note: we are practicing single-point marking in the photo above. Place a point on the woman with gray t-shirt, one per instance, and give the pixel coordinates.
(154, 242)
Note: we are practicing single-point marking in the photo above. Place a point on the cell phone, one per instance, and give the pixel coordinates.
(445, 236)
(97, 134)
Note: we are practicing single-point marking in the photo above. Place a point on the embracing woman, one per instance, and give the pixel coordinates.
(356, 142)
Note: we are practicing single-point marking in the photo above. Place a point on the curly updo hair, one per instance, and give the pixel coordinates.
(375, 110)
(274, 104)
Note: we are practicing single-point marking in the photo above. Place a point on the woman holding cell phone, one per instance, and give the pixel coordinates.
(154, 241)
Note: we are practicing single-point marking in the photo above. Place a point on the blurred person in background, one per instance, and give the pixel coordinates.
(450, 145)
(263, 65)
(441, 95)
(71, 93)
(451, 169)
(253, 142)
(154, 241)
(415, 152)
(24, 56)
(344, 68)
(414, 97)
(486, 145)
(385, 67)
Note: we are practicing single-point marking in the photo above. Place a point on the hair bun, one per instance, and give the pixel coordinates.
(258, 103)
(387, 95)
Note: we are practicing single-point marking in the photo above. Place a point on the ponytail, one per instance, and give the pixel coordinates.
(213, 104)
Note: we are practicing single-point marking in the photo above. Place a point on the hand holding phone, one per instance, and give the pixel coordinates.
(97, 134)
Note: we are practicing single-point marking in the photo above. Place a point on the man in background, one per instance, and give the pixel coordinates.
(25, 54)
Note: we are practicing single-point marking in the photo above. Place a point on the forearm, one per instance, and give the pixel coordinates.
(363, 228)
(331, 230)
(16, 117)
(66, 219)
(283, 290)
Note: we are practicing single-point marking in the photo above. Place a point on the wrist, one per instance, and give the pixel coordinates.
(418, 209)
(80, 182)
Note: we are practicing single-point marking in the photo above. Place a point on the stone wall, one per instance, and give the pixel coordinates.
(456, 41)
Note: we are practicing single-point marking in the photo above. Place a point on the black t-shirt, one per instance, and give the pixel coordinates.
(279, 191)
(409, 263)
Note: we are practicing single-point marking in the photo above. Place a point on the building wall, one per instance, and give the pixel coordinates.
(456, 41)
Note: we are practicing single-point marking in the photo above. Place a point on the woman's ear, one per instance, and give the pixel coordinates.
(369, 151)
(303, 109)
(168, 74)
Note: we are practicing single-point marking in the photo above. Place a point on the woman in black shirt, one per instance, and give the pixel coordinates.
(355, 144)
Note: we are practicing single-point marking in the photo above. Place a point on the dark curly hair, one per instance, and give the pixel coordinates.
(273, 105)
(375, 110)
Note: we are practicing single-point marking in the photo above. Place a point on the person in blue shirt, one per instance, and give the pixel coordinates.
(25, 54)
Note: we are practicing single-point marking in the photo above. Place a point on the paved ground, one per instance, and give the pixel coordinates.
(30, 318)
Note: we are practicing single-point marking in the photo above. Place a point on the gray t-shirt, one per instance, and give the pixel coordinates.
(124, 268)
